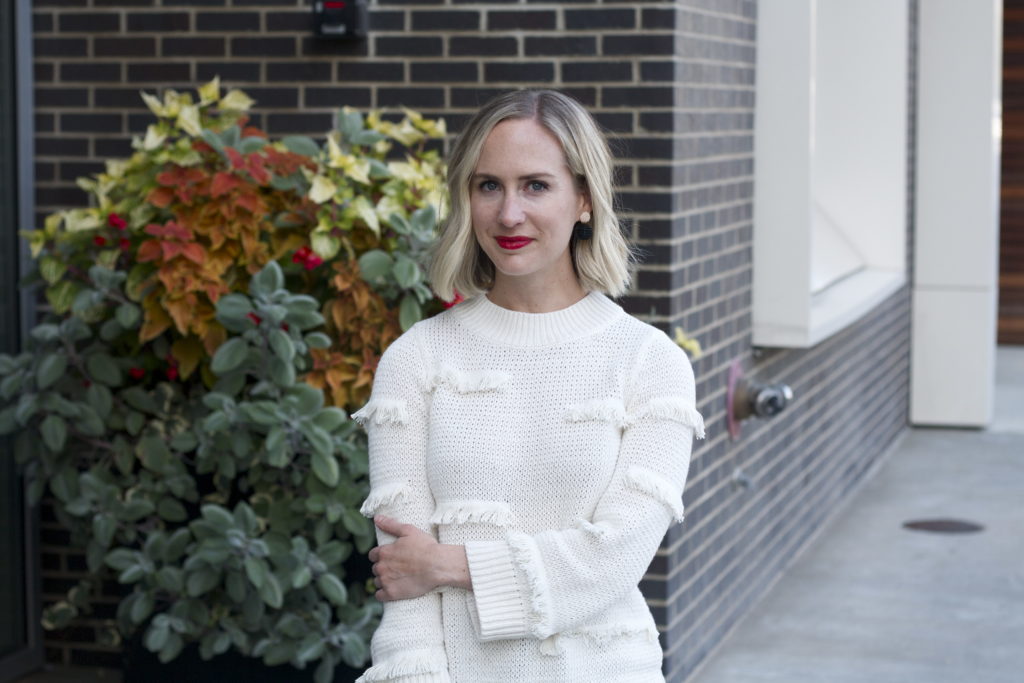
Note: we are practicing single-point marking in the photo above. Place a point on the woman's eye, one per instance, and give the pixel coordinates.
(537, 186)
(488, 186)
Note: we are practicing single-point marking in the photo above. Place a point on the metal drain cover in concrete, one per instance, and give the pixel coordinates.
(943, 526)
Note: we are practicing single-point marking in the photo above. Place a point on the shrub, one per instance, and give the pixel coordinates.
(209, 320)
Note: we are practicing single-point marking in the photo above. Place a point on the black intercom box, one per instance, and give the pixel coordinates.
(340, 19)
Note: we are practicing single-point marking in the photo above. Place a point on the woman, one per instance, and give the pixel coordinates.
(528, 447)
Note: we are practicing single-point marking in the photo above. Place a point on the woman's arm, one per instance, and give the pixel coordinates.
(408, 646)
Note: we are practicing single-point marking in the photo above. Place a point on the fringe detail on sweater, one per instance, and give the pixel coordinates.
(671, 408)
(382, 497)
(382, 411)
(473, 512)
(415, 663)
(527, 558)
(468, 382)
(598, 410)
(657, 487)
(601, 636)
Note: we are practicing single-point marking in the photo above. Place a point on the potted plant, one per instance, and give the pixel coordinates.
(210, 318)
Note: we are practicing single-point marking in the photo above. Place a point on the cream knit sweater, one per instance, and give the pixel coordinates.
(554, 447)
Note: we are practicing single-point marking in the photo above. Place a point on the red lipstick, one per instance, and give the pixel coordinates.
(514, 242)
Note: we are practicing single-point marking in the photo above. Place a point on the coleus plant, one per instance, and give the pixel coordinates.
(210, 319)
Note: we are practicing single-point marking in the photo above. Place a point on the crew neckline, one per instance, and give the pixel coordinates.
(588, 315)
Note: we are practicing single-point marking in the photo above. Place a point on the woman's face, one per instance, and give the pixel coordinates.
(524, 202)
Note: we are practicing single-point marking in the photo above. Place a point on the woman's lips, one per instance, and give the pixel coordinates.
(513, 242)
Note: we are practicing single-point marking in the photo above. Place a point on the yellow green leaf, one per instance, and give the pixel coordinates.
(322, 189)
(76, 220)
(154, 138)
(153, 103)
(365, 210)
(325, 245)
(237, 100)
(188, 119)
(210, 92)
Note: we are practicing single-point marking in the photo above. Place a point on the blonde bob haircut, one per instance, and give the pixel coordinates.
(601, 263)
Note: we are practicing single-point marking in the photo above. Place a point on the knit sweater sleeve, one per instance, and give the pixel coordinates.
(557, 580)
(407, 647)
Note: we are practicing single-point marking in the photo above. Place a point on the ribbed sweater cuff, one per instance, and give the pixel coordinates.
(497, 606)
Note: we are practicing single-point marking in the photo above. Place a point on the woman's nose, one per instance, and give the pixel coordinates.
(511, 213)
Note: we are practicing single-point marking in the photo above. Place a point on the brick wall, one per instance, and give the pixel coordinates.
(674, 84)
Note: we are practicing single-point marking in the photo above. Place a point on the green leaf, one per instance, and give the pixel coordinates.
(355, 522)
(318, 340)
(154, 453)
(409, 312)
(102, 368)
(62, 295)
(100, 398)
(11, 385)
(120, 559)
(257, 570)
(132, 574)
(300, 144)
(325, 467)
(136, 509)
(282, 373)
(7, 422)
(28, 405)
(374, 265)
(171, 579)
(89, 421)
(353, 650)
(330, 418)
(301, 577)
(332, 588)
(127, 315)
(172, 510)
(55, 432)
(201, 581)
(219, 518)
(157, 637)
(276, 446)
(324, 672)
(51, 368)
(176, 545)
(267, 281)
(233, 307)
(51, 269)
(406, 271)
(271, 592)
(142, 608)
(251, 144)
(282, 345)
(230, 355)
(103, 528)
(424, 221)
(172, 649)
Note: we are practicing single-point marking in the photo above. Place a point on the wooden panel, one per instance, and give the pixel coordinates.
(1011, 223)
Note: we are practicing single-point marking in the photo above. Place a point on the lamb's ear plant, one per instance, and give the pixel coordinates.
(182, 404)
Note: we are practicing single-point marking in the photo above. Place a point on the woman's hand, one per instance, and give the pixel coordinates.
(415, 563)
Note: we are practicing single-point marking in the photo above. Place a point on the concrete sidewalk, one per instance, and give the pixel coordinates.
(870, 600)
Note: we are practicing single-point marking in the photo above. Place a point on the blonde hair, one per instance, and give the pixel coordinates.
(601, 263)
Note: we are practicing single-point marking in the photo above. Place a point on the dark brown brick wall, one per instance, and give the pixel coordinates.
(673, 82)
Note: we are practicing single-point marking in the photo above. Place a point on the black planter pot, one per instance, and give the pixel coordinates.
(142, 666)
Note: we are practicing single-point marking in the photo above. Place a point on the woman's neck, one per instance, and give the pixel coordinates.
(518, 294)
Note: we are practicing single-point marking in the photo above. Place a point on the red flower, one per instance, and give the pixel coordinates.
(99, 240)
(115, 221)
(312, 261)
(301, 255)
(284, 326)
(457, 300)
(256, 320)
(137, 373)
(172, 373)
(124, 243)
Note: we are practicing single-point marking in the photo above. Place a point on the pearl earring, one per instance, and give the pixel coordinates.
(581, 230)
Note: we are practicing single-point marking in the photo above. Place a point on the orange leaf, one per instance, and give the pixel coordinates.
(194, 252)
(188, 352)
(214, 337)
(171, 249)
(160, 197)
(224, 183)
(148, 251)
(155, 320)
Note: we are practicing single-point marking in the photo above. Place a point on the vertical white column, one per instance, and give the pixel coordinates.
(956, 249)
